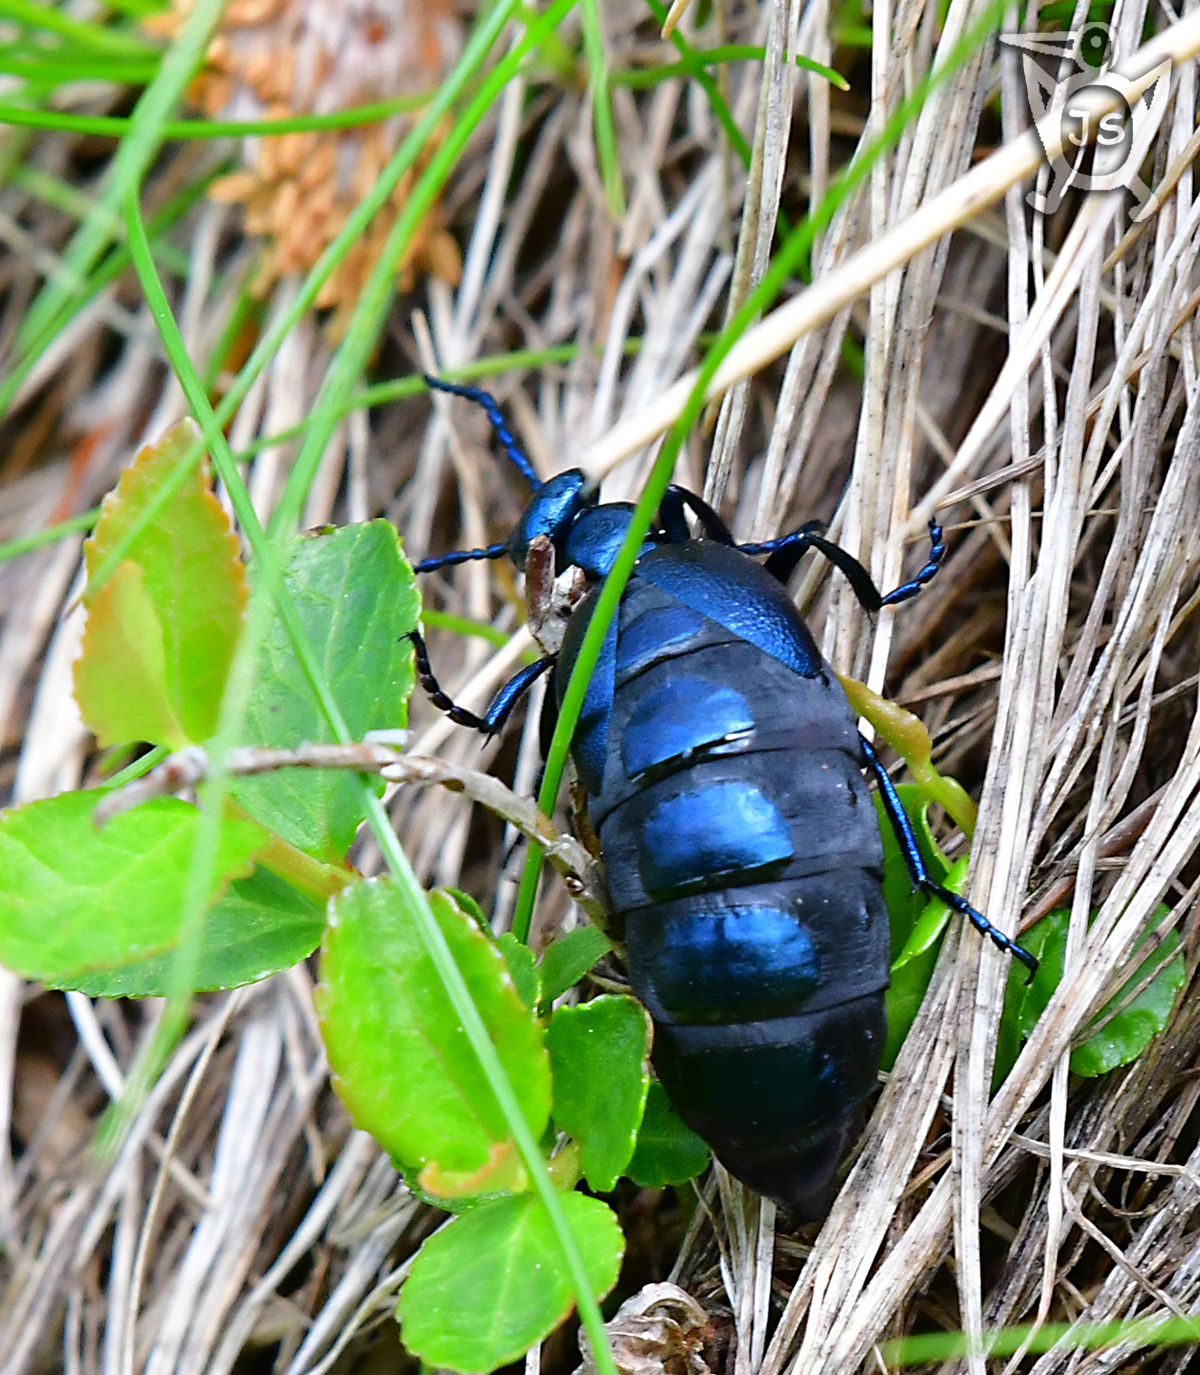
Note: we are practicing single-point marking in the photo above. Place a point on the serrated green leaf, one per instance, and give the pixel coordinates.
(1126, 1033)
(668, 1151)
(599, 1064)
(904, 902)
(75, 899)
(161, 633)
(491, 1285)
(522, 966)
(569, 958)
(401, 1060)
(357, 599)
(257, 927)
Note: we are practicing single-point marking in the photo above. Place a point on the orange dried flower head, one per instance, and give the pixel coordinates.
(276, 58)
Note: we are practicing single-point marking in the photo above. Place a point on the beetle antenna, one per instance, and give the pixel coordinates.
(503, 433)
(457, 556)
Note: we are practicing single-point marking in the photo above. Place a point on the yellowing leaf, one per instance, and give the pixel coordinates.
(163, 628)
(123, 633)
(503, 1171)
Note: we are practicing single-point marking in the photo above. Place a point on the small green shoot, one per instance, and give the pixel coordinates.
(600, 1060)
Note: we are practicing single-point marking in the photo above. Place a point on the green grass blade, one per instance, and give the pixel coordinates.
(1006, 1341)
(605, 134)
(54, 68)
(701, 58)
(457, 625)
(97, 37)
(233, 709)
(132, 159)
(117, 125)
(363, 330)
(52, 533)
(138, 9)
(696, 68)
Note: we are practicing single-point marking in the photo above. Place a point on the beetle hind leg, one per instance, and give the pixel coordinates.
(784, 553)
(937, 552)
(920, 875)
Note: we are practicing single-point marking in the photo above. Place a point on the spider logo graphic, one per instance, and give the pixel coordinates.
(1064, 120)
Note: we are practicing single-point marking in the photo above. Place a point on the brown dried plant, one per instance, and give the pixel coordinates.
(275, 58)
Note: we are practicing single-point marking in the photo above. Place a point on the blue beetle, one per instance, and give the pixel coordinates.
(723, 772)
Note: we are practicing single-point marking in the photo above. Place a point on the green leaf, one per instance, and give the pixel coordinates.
(913, 967)
(904, 902)
(491, 1285)
(668, 1151)
(356, 597)
(400, 1057)
(471, 908)
(1115, 1041)
(570, 957)
(257, 927)
(1025, 999)
(599, 1063)
(161, 632)
(75, 899)
(522, 968)
(1127, 1033)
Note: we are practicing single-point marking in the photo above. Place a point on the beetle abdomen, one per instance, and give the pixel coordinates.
(743, 854)
(779, 1101)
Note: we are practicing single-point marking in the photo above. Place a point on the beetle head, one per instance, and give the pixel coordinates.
(552, 511)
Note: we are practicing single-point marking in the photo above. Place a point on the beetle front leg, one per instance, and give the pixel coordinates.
(920, 875)
(501, 706)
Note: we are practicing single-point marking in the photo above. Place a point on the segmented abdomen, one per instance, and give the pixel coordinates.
(743, 855)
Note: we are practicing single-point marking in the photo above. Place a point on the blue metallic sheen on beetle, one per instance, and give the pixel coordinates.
(723, 773)
(747, 883)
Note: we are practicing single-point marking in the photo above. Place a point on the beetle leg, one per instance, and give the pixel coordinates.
(456, 556)
(671, 517)
(787, 551)
(501, 706)
(920, 875)
(503, 433)
(937, 552)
